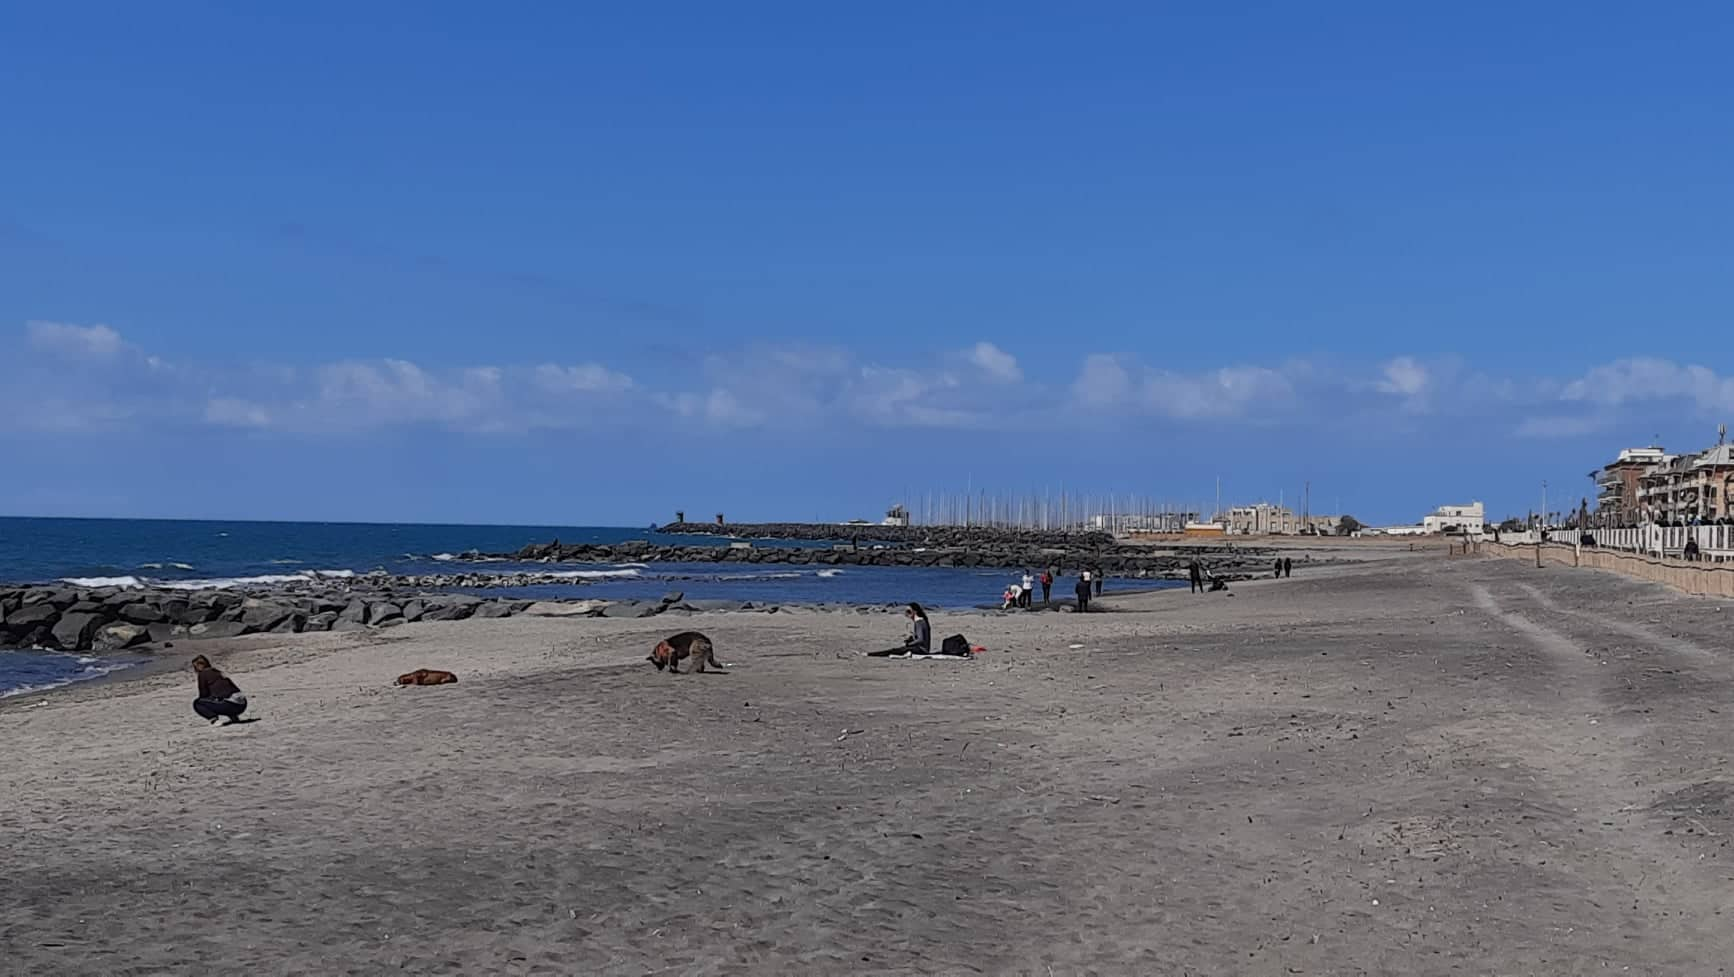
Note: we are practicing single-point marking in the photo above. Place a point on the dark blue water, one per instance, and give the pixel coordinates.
(104, 552)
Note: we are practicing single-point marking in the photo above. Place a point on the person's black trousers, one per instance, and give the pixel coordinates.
(209, 709)
(1047, 593)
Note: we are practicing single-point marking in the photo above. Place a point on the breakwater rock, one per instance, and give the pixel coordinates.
(115, 619)
(1134, 561)
(966, 536)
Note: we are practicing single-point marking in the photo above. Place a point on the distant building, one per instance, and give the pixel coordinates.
(1262, 519)
(1618, 484)
(1465, 518)
(1688, 488)
(897, 515)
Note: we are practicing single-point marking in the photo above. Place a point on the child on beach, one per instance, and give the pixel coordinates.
(220, 701)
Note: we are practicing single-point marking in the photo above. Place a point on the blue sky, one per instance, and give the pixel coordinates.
(566, 263)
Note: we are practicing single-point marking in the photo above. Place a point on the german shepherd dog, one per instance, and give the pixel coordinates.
(427, 676)
(687, 644)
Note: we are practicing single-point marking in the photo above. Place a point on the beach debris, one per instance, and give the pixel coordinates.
(848, 733)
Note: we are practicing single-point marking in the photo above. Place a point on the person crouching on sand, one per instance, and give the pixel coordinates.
(220, 701)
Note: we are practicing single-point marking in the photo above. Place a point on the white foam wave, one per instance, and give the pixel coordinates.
(592, 574)
(262, 580)
(103, 581)
(182, 566)
(444, 557)
(828, 574)
(633, 566)
(93, 668)
(150, 566)
(285, 563)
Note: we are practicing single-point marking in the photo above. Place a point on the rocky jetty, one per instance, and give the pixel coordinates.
(117, 619)
(1002, 553)
(965, 536)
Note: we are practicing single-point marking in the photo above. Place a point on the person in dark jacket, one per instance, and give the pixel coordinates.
(220, 701)
(1196, 571)
(1278, 572)
(1098, 578)
(920, 640)
(1083, 592)
(1287, 567)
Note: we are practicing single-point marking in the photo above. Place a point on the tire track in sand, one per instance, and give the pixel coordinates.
(1636, 632)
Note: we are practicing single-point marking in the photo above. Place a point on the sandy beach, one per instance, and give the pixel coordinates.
(1420, 766)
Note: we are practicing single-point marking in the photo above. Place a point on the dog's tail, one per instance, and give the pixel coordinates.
(709, 653)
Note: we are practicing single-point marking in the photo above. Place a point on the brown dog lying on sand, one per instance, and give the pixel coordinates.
(427, 676)
(687, 644)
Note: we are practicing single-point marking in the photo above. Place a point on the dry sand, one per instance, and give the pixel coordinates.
(1437, 767)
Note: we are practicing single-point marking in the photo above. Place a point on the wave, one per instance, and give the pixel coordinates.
(285, 563)
(444, 557)
(212, 583)
(128, 581)
(633, 566)
(828, 574)
(150, 566)
(91, 668)
(592, 574)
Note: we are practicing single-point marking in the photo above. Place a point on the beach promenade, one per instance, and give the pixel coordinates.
(1418, 765)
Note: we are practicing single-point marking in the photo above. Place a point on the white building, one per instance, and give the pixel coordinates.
(1468, 518)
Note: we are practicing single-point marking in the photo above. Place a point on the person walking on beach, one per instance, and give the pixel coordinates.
(220, 701)
(1196, 571)
(1278, 573)
(1083, 592)
(1287, 567)
(1097, 578)
(1029, 594)
(1047, 587)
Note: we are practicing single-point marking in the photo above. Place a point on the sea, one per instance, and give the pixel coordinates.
(198, 555)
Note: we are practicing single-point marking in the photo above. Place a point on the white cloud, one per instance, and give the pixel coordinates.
(583, 378)
(1643, 379)
(719, 407)
(1102, 382)
(995, 362)
(234, 412)
(1403, 377)
(1108, 381)
(67, 339)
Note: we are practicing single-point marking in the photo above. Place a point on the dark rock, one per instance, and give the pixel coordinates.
(30, 616)
(355, 610)
(497, 608)
(449, 612)
(162, 632)
(673, 597)
(218, 629)
(319, 622)
(413, 610)
(259, 615)
(85, 607)
(73, 631)
(116, 637)
(292, 624)
(382, 613)
(141, 614)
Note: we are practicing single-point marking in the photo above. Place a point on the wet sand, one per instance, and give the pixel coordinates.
(1431, 767)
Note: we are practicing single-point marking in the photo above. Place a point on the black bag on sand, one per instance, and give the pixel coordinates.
(957, 644)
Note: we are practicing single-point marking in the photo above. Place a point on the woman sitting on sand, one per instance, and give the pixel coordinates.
(920, 640)
(220, 701)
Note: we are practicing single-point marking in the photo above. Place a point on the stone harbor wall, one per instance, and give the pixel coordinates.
(1137, 561)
